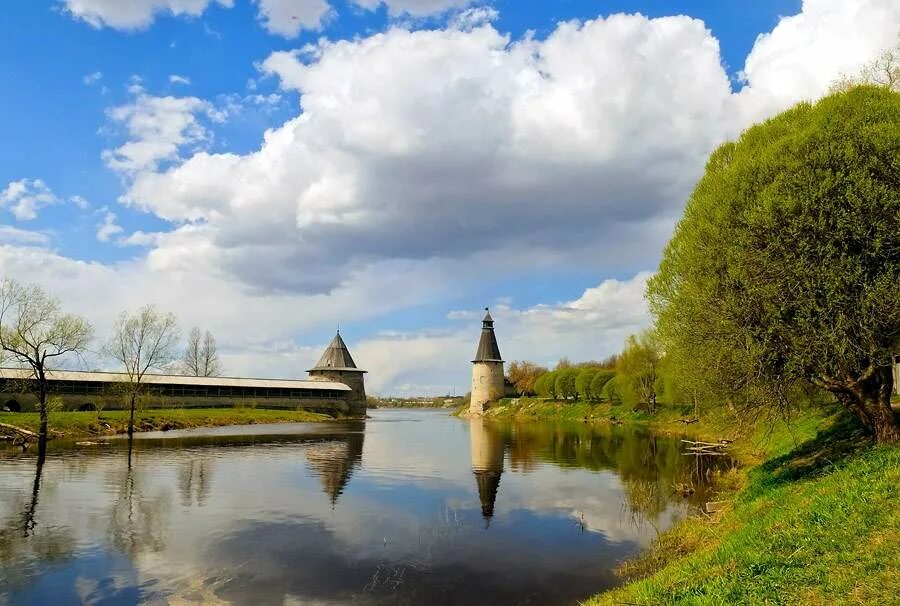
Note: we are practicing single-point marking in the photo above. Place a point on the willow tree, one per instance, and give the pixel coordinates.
(35, 332)
(785, 268)
(637, 369)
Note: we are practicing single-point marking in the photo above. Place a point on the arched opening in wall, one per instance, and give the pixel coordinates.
(12, 406)
(89, 406)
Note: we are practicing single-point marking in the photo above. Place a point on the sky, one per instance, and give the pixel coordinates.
(271, 170)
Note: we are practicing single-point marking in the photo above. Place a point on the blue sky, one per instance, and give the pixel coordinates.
(448, 155)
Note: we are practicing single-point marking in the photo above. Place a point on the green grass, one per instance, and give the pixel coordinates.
(83, 424)
(814, 525)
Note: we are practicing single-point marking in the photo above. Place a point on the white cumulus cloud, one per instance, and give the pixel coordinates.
(108, 227)
(15, 236)
(806, 52)
(158, 128)
(134, 14)
(289, 17)
(24, 198)
(447, 135)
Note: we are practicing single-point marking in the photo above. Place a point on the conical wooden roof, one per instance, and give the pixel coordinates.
(488, 482)
(488, 350)
(336, 357)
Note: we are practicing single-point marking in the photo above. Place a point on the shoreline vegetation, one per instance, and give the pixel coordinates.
(92, 424)
(807, 519)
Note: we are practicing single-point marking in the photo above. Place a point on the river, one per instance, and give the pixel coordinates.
(407, 507)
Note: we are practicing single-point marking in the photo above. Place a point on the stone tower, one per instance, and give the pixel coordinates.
(487, 369)
(336, 364)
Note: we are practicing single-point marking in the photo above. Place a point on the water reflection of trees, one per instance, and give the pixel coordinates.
(137, 519)
(194, 481)
(649, 466)
(25, 538)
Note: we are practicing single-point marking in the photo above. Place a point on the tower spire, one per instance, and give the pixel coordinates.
(488, 350)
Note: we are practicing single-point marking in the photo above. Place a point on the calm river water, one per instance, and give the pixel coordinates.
(407, 507)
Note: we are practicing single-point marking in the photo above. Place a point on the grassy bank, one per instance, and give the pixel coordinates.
(817, 525)
(85, 424)
(811, 518)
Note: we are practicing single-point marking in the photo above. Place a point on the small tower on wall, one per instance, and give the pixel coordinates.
(487, 369)
(336, 364)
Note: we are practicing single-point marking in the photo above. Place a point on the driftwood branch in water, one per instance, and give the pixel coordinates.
(706, 448)
(719, 444)
(18, 431)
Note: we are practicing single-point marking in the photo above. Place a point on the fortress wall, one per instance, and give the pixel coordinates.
(28, 402)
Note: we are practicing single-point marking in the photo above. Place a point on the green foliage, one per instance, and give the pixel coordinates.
(545, 385)
(637, 370)
(612, 392)
(599, 382)
(583, 383)
(784, 268)
(565, 383)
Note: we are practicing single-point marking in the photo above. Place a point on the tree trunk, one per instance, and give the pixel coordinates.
(870, 401)
(131, 417)
(42, 407)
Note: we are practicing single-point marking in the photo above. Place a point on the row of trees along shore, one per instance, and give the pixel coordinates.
(781, 284)
(36, 334)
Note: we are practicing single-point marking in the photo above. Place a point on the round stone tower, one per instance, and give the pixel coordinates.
(336, 364)
(487, 369)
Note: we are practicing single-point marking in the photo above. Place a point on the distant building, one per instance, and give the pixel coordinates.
(335, 386)
(487, 369)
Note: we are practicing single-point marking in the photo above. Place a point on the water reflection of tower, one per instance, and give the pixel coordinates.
(487, 463)
(335, 459)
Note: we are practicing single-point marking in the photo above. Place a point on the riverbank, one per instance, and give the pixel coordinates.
(110, 422)
(808, 520)
(816, 525)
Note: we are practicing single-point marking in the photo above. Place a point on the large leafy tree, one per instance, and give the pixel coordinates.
(785, 268)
